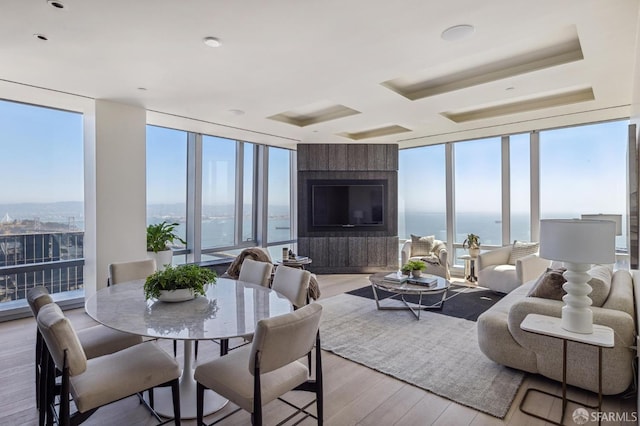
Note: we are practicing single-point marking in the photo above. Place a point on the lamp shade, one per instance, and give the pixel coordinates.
(617, 218)
(578, 241)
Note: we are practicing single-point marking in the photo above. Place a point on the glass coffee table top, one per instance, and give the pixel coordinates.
(399, 288)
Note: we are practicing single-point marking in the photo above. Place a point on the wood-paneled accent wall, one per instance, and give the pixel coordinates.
(349, 251)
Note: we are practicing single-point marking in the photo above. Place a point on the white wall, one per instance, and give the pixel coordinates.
(115, 188)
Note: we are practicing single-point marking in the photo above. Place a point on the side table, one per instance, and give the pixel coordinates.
(299, 262)
(469, 268)
(602, 337)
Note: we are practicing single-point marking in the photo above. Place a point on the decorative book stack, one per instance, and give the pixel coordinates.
(396, 277)
(425, 281)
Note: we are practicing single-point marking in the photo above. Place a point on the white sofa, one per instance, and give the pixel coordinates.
(501, 339)
(495, 272)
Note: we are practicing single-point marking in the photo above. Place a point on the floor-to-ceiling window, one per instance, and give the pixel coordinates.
(478, 191)
(248, 192)
(218, 192)
(520, 187)
(279, 226)
(167, 179)
(422, 192)
(583, 170)
(42, 201)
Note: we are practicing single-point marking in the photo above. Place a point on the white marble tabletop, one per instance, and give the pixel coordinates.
(230, 309)
(552, 326)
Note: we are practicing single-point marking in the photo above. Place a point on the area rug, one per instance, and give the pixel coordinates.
(461, 302)
(438, 353)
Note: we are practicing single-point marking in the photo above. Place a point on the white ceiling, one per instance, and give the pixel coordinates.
(289, 55)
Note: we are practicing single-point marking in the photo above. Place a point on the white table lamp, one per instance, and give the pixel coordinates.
(577, 243)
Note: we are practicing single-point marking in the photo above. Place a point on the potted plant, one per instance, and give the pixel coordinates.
(178, 283)
(473, 244)
(159, 236)
(415, 267)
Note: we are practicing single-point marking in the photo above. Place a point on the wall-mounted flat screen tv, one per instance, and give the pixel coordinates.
(347, 204)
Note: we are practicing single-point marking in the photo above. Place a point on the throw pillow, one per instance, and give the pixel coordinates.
(521, 249)
(549, 285)
(600, 282)
(421, 246)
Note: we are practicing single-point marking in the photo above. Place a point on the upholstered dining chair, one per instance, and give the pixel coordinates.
(255, 375)
(99, 381)
(256, 272)
(135, 270)
(95, 341)
(293, 283)
(128, 271)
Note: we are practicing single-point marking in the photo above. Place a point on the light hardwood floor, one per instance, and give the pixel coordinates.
(354, 394)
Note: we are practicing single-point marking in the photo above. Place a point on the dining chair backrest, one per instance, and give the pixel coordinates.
(256, 272)
(37, 297)
(61, 339)
(129, 271)
(283, 339)
(293, 283)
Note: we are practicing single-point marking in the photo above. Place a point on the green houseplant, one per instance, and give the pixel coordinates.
(159, 236)
(472, 242)
(415, 267)
(182, 277)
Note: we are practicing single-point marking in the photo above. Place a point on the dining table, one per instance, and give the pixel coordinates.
(229, 309)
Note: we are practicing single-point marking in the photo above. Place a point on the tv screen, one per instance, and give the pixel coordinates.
(347, 204)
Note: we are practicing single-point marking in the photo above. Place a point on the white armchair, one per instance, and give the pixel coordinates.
(496, 273)
(437, 260)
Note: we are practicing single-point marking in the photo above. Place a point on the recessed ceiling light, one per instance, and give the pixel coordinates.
(56, 4)
(510, 88)
(457, 32)
(143, 89)
(236, 111)
(41, 37)
(211, 41)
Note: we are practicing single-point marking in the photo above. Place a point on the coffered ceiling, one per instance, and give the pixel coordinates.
(290, 71)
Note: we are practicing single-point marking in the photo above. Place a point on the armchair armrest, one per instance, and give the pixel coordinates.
(443, 255)
(499, 256)
(530, 267)
(405, 252)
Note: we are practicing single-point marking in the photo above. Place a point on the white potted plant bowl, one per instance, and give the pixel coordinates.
(179, 295)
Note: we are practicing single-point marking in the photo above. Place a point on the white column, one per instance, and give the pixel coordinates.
(115, 188)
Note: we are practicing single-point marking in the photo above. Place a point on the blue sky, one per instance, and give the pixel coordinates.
(42, 153)
(583, 168)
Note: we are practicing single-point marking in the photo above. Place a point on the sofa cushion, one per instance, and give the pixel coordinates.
(421, 246)
(500, 278)
(549, 285)
(521, 249)
(600, 283)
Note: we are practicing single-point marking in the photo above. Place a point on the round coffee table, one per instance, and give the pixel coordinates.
(381, 281)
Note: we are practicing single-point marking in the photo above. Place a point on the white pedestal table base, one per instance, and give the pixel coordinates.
(163, 400)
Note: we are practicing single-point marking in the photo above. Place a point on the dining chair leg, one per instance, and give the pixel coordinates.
(199, 404)
(224, 347)
(175, 393)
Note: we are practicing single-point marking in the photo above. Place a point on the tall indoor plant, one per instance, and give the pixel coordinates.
(159, 236)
